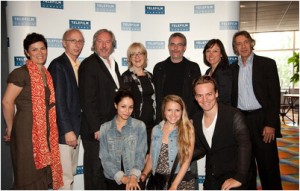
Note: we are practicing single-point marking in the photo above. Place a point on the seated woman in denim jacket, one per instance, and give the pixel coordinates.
(123, 146)
(172, 136)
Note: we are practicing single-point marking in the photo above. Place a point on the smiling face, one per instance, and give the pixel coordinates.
(243, 46)
(124, 108)
(172, 112)
(213, 55)
(37, 52)
(177, 48)
(104, 45)
(138, 58)
(206, 96)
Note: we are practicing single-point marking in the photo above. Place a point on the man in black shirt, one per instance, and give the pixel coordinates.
(175, 75)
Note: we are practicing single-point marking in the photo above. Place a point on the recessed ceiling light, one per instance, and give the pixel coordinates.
(242, 6)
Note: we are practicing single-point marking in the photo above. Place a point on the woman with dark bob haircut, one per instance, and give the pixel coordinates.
(32, 130)
(215, 57)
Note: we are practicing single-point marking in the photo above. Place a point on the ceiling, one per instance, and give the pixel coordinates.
(269, 16)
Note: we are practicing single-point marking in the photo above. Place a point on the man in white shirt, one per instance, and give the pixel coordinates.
(222, 135)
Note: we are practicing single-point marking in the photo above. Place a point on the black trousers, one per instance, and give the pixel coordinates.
(213, 183)
(264, 155)
(93, 171)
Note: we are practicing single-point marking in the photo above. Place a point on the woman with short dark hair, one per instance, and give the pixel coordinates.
(32, 131)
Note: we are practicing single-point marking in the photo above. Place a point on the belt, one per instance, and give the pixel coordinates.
(250, 111)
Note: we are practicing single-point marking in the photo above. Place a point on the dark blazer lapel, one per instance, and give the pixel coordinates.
(235, 77)
(255, 72)
(219, 125)
(106, 71)
(69, 68)
(201, 134)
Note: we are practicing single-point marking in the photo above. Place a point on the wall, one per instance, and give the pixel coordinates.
(149, 22)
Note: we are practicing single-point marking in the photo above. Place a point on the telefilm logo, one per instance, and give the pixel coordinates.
(130, 26)
(80, 24)
(202, 9)
(52, 4)
(105, 7)
(24, 21)
(232, 59)
(201, 179)
(229, 25)
(79, 170)
(124, 61)
(155, 44)
(19, 60)
(179, 27)
(155, 10)
(199, 44)
(54, 42)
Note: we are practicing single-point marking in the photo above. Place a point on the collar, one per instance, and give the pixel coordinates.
(248, 62)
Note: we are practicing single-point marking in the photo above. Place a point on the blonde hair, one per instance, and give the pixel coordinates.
(185, 128)
(132, 48)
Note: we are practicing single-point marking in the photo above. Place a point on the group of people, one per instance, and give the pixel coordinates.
(141, 130)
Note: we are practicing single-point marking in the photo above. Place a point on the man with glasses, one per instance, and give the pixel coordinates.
(256, 92)
(175, 75)
(99, 80)
(64, 72)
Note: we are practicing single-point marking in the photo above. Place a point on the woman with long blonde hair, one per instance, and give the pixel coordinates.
(173, 136)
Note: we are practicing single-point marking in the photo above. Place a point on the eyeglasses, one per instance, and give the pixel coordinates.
(137, 54)
(179, 45)
(74, 41)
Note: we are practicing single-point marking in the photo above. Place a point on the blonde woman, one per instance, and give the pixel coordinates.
(139, 81)
(172, 136)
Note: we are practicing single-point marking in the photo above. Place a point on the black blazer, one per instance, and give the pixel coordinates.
(97, 93)
(230, 152)
(223, 77)
(266, 88)
(67, 96)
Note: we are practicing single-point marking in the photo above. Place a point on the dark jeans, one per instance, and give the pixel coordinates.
(93, 171)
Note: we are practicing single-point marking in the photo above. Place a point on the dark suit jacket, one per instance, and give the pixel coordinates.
(223, 77)
(67, 96)
(266, 88)
(97, 93)
(230, 152)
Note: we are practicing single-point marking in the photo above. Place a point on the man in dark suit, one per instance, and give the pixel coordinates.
(256, 92)
(99, 80)
(222, 135)
(64, 72)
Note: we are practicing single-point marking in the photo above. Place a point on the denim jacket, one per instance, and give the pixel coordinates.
(156, 146)
(130, 144)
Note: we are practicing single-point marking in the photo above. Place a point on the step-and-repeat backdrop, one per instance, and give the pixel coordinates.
(148, 22)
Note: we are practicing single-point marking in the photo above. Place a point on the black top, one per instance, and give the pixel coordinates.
(174, 78)
(147, 110)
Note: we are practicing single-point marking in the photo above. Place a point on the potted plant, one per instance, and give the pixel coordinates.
(294, 60)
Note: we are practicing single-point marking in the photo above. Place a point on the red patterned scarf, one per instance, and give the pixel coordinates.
(41, 153)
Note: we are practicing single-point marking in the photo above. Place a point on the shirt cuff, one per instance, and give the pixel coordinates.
(136, 172)
(118, 176)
